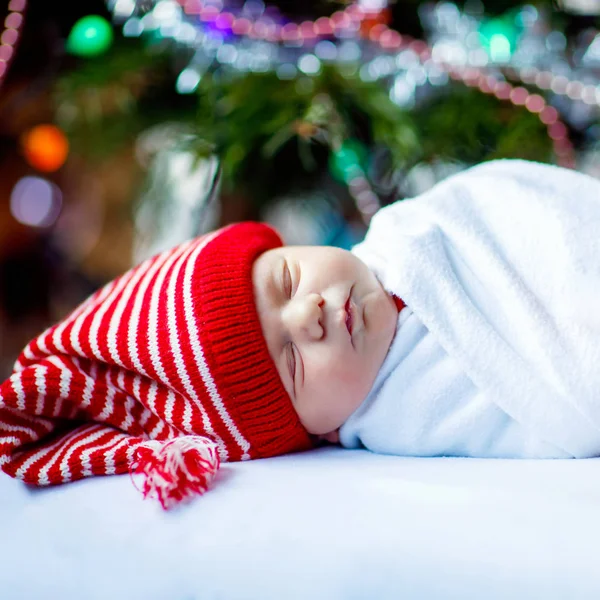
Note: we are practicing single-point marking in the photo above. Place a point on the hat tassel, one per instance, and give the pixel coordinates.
(176, 470)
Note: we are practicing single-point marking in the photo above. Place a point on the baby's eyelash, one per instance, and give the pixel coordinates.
(291, 360)
(287, 283)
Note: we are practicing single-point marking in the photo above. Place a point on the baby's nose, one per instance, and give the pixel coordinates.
(305, 315)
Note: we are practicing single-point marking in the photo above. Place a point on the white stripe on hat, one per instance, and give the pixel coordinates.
(169, 406)
(124, 301)
(134, 320)
(198, 351)
(101, 310)
(137, 392)
(40, 384)
(110, 288)
(128, 420)
(43, 474)
(64, 385)
(47, 423)
(157, 430)
(10, 439)
(151, 400)
(153, 319)
(90, 435)
(22, 470)
(109, 402)
(17, 386)
(84, 307)
(182, 371)
(109, 458)
(8, 427)
(84, 458)
(90, 384)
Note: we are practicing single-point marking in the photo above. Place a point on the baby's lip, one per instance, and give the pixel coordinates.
(350, 310)
(349, 318)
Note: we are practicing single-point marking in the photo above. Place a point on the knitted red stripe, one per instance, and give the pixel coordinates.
(104, 405)
(132, 388)
(124, 456)
(182, 359)
(116, 319)
(128, 345)
(79, 461)
(97, 457)
(24, 461)
(153, 420)
(83, 385)
(31, 349)
(56, 466)
(27, 464)
(11, 440)
(116, 410)
(61, 374)
(98, 332)
(82, 334)
(169, 348)
(138, 328)
(203, 361)
(71, 327)
(158, 344)
(9, 420)
(188, 328)
(72, 463)
(92, 387)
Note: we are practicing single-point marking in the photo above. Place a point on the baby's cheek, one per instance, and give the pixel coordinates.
(344, 376)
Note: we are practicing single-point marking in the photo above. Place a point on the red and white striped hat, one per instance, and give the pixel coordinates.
(163, 372)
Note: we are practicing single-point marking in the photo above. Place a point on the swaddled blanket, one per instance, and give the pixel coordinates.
(501, 265)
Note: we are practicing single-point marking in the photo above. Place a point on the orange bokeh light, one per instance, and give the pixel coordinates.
(45, 147)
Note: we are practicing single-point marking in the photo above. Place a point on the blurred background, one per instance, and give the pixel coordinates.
(128, 126)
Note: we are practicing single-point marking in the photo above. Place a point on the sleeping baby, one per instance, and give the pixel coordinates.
(465, 324)
(494, 351)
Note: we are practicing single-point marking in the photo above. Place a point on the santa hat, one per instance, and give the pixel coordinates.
(163, 372)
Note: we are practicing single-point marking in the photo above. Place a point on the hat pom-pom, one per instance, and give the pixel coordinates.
(177, 469)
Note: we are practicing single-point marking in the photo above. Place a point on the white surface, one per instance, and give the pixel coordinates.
(328, 524)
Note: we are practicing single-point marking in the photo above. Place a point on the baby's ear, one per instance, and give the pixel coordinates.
(333, 437)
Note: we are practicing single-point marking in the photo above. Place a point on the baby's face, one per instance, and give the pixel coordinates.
(328, 325)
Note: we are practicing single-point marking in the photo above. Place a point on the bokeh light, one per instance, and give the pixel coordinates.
(35, 201)
(45, 147)
(91, 35)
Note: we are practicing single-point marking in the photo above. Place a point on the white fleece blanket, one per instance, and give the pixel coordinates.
(501, 266)
(424, 404)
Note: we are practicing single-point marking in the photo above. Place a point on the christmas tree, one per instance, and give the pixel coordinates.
(161, 119)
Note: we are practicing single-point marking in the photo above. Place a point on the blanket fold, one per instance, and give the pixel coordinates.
(501, 263)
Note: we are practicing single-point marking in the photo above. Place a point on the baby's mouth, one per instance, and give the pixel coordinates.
(348, 316)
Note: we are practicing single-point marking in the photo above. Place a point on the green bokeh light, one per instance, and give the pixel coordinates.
(349, 161)
(91, 36)
(499, 38)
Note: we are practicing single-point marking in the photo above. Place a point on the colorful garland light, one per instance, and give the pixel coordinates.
(352, 18)
(220, 34)
(488, 84)
(13, 24)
